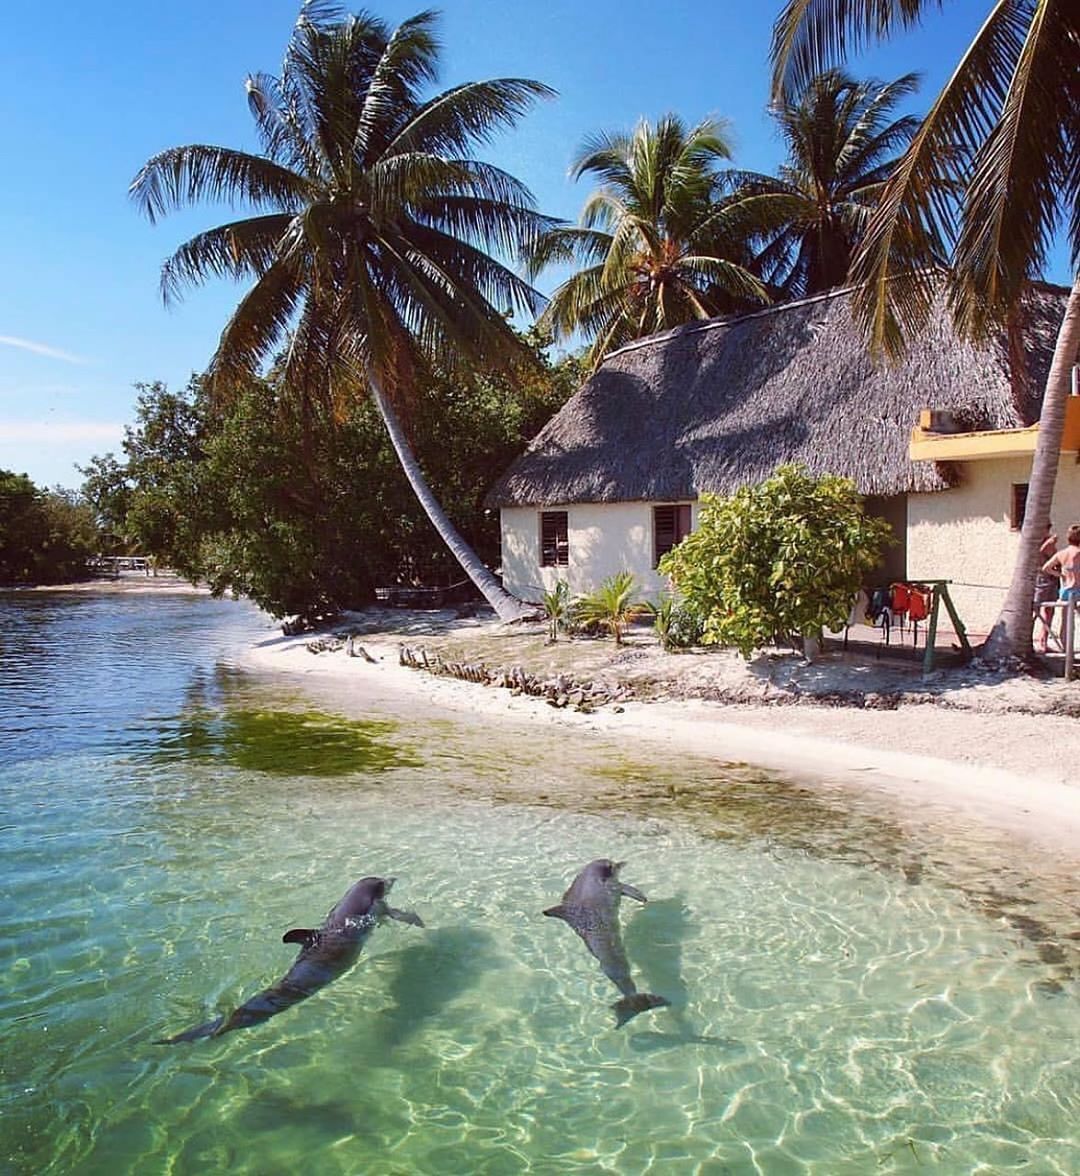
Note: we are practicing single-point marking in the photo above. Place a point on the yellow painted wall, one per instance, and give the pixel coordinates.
(604, 538)
(964, 534)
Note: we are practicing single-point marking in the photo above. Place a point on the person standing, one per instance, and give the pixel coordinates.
(1046, 591)
(1067, 563)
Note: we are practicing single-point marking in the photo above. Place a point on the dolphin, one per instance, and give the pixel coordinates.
(326, 953)
(591, 908)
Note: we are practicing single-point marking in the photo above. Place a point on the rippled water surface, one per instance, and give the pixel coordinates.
(851, 992)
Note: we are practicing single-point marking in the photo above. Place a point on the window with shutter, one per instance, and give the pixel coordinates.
(554, 539)
(1019, 505)
(671, 525)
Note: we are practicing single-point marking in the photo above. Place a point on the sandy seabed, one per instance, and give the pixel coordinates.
(964, 743)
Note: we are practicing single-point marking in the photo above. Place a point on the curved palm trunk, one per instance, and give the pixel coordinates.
(1011, 634)
(508, 607)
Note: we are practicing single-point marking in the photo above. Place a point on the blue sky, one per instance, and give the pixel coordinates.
(90, 91)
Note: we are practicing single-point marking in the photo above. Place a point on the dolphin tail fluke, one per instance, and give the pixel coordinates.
(629, 1007)
(210, 1029)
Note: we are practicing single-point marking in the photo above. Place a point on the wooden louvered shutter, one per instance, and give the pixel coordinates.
(671, 524)
(554, 539)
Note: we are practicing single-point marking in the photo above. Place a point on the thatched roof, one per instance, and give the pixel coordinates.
(720, 404)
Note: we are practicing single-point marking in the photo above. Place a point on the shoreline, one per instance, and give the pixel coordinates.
(1009, 771)
(129, 582)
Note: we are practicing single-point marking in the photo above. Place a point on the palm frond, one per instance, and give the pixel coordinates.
(408, 61)
(1017, 197)
(242, 249)
(256, 327)
(187, 175)
(812, 35)
(565, 244)
(454, 121)
(915, 220)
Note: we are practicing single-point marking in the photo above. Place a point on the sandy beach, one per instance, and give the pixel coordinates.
(963, 744)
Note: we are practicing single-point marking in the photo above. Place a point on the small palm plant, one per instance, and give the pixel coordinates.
(612, 606)
(676, 626)
(557, 609)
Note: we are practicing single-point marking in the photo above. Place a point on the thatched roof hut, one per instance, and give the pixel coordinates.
(720, 404)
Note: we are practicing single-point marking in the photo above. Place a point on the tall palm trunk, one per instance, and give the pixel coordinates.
(1011, 634)
(507, 607)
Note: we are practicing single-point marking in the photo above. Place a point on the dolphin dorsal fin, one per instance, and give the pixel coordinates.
(304, 935)
(557, 912)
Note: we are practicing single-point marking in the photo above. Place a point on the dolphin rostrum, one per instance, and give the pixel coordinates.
(591, 907)
(326, 953)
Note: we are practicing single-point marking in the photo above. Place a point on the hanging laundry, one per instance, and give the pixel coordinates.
(880, 603)
(919, 602)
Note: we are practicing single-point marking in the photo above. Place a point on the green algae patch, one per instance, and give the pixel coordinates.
(291, 743)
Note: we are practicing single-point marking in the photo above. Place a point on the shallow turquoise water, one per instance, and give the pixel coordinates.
(850, 993)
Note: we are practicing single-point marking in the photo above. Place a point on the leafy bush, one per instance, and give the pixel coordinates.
(781, 558)
(612, 606)
(304, 507)
(46, 536)
(677, 625)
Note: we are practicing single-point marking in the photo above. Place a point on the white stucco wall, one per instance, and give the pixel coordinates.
(964, 534)
(604, 538)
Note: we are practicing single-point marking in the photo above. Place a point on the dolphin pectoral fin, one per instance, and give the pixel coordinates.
(631, 892)
(210, 1029)
(302, 935)
(629, 1007)
(556, 912)
(410, 917)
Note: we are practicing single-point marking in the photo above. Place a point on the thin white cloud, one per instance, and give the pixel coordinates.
(41, 349)
(59, 432)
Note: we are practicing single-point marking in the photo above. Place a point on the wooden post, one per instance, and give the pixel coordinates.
(1070, 632)
(931, 628)
(958, 624)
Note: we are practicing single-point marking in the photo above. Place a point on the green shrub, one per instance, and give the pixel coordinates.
(677, 625)
(612, 606)
(785, 557)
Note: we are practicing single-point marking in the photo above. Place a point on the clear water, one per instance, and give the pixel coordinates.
(852, 991)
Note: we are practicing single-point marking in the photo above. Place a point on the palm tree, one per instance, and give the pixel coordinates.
(656, 242)
(841, 147)
(612, 606)
(1005, 131)
(370, 253)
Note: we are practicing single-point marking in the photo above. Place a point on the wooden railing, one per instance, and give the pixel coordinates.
(1068, 638)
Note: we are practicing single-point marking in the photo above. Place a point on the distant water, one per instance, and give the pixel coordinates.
(851, 993)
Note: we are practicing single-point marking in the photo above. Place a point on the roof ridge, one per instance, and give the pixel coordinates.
(715, 323)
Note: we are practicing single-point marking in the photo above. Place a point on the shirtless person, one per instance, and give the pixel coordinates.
(1066, 562)
(1046, 590)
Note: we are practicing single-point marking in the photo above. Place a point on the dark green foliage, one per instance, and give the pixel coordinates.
(842, 144)
(308, 513)
(46, 536)
(676, 624)
(785, 557)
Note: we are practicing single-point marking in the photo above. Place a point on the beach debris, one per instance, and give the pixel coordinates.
(561, 691)
(325, 645)
(355, 650)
